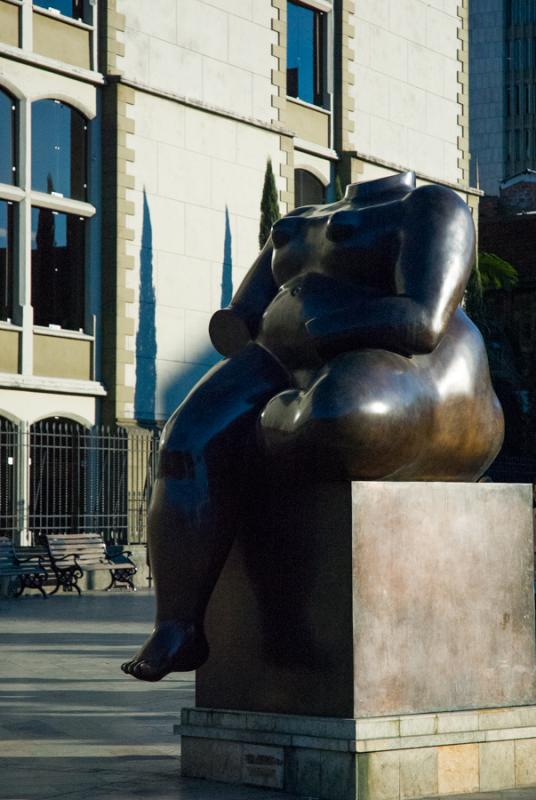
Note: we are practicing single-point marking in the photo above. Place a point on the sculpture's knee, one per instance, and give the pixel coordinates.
(365, 416)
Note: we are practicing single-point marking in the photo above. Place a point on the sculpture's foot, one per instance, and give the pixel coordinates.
(172, 647)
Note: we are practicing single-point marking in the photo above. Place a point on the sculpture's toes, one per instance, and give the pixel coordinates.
(172, 647)
(128, 666)
(145, 671)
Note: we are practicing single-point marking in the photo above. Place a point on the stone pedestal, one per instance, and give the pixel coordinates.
(363, 604)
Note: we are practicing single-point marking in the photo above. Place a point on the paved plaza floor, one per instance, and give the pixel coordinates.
(73, 726)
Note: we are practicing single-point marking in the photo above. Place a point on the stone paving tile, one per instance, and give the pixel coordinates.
(71, 724)
(528, 793)
(73, 727)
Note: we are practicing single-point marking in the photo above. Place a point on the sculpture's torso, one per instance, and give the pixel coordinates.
(322, 272)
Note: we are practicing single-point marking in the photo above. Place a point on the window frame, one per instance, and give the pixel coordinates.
(23, 198)
(79, 305)
(7, 316)
(72, 155)
(321, 22)
(87, 21)
(14, 137)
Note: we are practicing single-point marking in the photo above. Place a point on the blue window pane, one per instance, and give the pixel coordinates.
(58, 244)
(59, 136)
(70, 8)
(6, 260)
(7, 138)
(301, 53)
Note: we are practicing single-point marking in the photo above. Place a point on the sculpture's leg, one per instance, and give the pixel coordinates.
(366, 415)
(196, 503)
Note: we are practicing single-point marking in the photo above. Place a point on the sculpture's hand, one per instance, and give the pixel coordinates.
(397, 324)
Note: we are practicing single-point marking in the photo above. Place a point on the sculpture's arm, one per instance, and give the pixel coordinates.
(435, 254)
(232, 328)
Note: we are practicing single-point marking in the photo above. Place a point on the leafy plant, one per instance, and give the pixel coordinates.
(496, 273)
(489, 272)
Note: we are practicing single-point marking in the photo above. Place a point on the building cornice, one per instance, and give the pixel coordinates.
(55, 385)
(50, 64)
(458, 187)
(191, 102)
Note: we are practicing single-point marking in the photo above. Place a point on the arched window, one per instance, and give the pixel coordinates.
(309, 191)
(8, 477)
(7, 138)
(59, 149)
(58, 453)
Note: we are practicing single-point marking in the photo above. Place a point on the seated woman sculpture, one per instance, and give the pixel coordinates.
(348, 356)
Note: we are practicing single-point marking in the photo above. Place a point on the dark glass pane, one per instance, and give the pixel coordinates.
(70, 8)
(301, 53)
(6, 260)
(309, 191)
(59, 136)
(7, 138)
(58, 246)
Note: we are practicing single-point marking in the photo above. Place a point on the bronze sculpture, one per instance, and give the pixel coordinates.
(348, 357)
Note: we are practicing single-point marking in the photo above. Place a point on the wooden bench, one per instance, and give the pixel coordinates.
(25, 573)
(72, 554)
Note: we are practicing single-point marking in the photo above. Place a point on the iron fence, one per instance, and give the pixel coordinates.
(58, 476)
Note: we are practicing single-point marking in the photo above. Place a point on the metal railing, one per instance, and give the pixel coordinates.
(58, 476)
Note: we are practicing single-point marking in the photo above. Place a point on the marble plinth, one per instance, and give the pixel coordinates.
(369, 599)
(373, 640)
(388, 758)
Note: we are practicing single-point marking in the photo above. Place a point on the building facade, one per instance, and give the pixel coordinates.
(503, 93)
(134, 142)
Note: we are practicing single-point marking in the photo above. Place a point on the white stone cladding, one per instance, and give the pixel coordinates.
(198, 186)
(406, 84)
(217, 52)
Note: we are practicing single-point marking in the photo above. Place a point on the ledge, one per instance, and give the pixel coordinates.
(458, 187)
(34, 60)
(274, 127)
(36, 383)
(365, 735)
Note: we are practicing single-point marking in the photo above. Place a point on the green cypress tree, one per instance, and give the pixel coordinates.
(339, 194)
(269, 205)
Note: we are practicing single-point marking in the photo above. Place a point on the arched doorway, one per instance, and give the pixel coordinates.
(58, 449)
(308, 189)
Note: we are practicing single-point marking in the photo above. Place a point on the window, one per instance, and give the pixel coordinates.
(59, 160)
(305, 53)
(58, 248)
(7, 138)
(309, 191)
(6, 260)
(69, 8)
